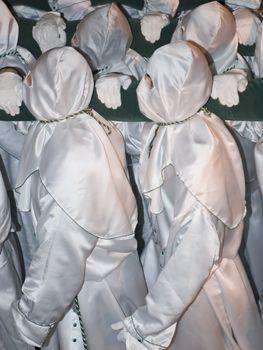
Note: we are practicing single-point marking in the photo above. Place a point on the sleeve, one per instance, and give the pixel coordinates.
(10, 290)
(11, 140)
(55, 276)
(195, 256)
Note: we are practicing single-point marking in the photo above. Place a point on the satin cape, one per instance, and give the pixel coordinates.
(58, 149)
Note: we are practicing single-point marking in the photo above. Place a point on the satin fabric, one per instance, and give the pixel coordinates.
(112, 185)
(191, 262)
(258, 154)
(247, 135)
(105, 37)
(11, 135)
(212, 27)
(72, 9)
(12, 139)
(100, 266)
(132, 133)
(10, 276)
(10, 54)
(253, 4)
(168, 7)
(252, 245)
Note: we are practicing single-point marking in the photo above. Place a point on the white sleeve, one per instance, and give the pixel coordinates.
(11, 140)
(55, 276)
(195, 255)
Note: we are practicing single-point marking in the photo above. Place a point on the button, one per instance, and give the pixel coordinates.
(74, 340)
(75, 324)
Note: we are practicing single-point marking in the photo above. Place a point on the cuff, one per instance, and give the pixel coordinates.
(28, 331)
(156, 341)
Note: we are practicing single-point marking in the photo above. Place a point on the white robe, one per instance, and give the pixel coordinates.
(195, 277)
(104, 272)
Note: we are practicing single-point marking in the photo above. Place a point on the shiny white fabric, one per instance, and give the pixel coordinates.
(10, 276)
(49, 31)
(168, 7)
(247, 135)
(247, 23)
(5, 223)
(212, 27)
(83, 211)
(39, 100)
(252, 245)
(72, 9)
(191, 260)
(9, 57)
(11, 139)
(105, 37)
(259, 53)
(253, 4)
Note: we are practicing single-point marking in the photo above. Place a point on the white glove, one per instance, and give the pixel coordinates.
(247, 24)
(226, 87)
(108, 89)
(125, 337)
(152, 25)
(49, 31)
(11, 92)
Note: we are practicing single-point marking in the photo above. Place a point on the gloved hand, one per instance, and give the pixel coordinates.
(11, 92)
(226, 87)
(247, 24)
(125, 337)
(152, 25)
(49, 31)
(108, 89)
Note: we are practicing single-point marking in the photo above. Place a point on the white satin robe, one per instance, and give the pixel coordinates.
(10, 291)
(10, 277)
(132, 133)
(11, 145)
(195, 277)
(105, 274)
(252, 243)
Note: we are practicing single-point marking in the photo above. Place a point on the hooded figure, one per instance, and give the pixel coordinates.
(192, 173)
(49, 31)
(221, 46)
(104, 37)
(73, 178)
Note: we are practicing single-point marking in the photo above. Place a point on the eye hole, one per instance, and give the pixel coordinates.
(28, 80)
(148, 80)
